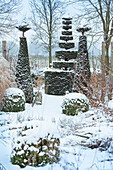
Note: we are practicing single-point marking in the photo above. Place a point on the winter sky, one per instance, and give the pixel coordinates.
(25, 13)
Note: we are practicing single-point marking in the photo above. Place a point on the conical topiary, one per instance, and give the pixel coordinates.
(23, 77)
(83, 74)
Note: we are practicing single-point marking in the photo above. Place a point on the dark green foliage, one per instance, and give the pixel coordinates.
(11, 106)
(45, 151)
(57, 83)
(83, 74)
(66, 55)
(71, 107)
(83, 66)
(23, 77)
(13, 103)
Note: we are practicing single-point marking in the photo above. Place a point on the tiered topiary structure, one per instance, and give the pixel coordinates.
(60, 79)
(23, 77)
(83, 67)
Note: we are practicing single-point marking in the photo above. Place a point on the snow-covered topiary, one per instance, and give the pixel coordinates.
(35, 146)
(14, 100)
(23, 77)
(74, 102)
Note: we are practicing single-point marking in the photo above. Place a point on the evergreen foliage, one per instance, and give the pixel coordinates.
(13, 101)
(44, 151)
(23, 78)
(71, 107)
(73, 103)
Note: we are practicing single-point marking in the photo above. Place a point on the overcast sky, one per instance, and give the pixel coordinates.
(25, 13)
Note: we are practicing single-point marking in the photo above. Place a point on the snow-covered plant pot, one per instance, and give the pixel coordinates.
(13, 101)
(75, 102)
(39, 152)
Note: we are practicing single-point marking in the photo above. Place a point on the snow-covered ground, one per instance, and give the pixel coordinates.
(86, 140)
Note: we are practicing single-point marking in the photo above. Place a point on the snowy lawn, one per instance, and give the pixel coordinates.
(86, 140)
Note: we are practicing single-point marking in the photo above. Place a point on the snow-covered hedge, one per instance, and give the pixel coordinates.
(13, 101)
(35, 147)
(74, 102)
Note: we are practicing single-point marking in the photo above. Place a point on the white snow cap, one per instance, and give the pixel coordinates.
(14, 91)
(76, 96)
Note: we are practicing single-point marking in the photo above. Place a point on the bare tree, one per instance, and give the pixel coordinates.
(7, 10)
(45, 18)
(100, 14)
(12, 48)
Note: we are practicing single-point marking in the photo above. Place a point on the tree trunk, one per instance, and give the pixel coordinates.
(50, 35)
(107, 56)
(111, 74)
(103, 72)
(50, 55)
(112, 56)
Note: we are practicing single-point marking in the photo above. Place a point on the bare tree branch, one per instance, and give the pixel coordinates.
(7, 10)
(99, 14)
(45, 20)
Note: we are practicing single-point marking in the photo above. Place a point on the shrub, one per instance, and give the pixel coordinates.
(37, 152)
(13, 101)
(75, 102)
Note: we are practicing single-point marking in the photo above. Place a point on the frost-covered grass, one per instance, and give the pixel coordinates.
(86, 139)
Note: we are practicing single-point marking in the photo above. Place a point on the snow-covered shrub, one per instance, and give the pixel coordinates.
(7, 78)
(74, 102)
(13, 100)
(35, 151)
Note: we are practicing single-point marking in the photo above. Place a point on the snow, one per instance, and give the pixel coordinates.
(76, 133)
(71, 49)
(66, 42)
(14, 91)
(110, 104)
(76, 96)
(56, 70)
(65, 61)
